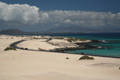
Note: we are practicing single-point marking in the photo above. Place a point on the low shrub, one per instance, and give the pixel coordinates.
(51, 43)
(85, 57)
(72, 39)
(9, 48)
(75, 39)
(67, 57)
(59, 38)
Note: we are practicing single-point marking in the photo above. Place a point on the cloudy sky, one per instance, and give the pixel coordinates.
(37, 15)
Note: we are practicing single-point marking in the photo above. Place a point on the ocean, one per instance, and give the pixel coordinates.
(111, 43)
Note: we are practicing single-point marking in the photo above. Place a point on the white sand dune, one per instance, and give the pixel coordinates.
(35, 44)
(39, 65)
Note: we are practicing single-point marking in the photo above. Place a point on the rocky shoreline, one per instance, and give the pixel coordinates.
(82, 46)
(78, 46)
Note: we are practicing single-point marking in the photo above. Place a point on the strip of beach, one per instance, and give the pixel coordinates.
(35, 58)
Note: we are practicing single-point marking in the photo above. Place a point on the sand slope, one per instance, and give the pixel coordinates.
(38, 65)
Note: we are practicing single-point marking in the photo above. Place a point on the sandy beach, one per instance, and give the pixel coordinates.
(40, 65)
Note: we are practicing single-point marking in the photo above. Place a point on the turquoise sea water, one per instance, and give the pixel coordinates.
(111, 42)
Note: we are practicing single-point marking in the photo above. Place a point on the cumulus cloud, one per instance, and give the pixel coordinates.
(43, 17)
(67, 21)
(82, 18)
(24, 14)
(19, 14)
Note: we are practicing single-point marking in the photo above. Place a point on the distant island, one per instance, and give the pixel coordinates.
(55, 30)
(16, 31)
(58, 30)
(12, 31)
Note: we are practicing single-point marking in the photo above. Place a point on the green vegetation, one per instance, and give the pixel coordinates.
(82, 39)
(9, 48)
(119, 67)
(85, 57)
(36, 38)
(67, 57)
(51, 43)
(40, 49)
(59, 38)
(75, 39)
(72, 39)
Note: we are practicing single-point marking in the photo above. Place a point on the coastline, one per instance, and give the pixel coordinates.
(36, 65)
(55, 43)
(60, 50)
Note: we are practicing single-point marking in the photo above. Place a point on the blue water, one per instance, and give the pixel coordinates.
(111, 42)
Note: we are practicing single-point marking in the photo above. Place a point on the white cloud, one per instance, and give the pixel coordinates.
(82, 18)
(67, 21)
(19, 14)
(43, 17)
(24, 14)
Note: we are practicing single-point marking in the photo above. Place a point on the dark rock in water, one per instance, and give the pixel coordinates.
(83, 53)
(64, 51)
(96, 41)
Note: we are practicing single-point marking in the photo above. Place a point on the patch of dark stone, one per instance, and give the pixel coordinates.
(76, 48)
(96, 41)
(81, 46)
(83, 53)
(63, 50)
